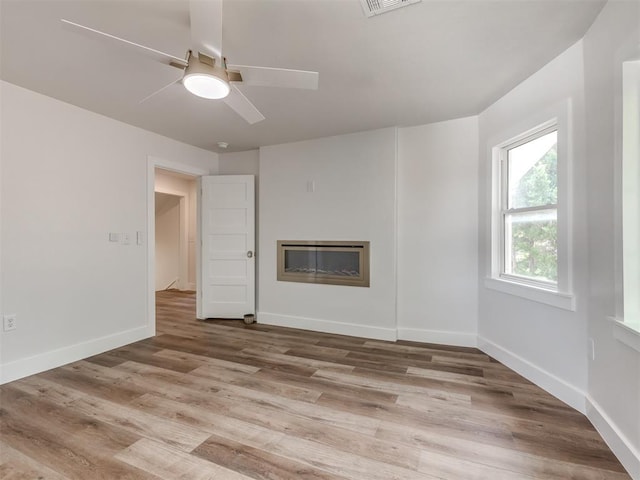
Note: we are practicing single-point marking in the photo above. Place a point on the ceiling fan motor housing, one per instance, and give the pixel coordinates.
(206, 81)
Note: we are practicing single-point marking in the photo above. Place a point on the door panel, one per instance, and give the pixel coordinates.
(227, 231)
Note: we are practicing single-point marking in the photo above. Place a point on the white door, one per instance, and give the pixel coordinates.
(226, 286)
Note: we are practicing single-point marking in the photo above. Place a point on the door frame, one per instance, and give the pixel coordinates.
(171, 166)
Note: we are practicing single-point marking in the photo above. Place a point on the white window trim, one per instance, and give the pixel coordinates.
(553, 298)
(627, 321)
(560, 296)
(626, 332)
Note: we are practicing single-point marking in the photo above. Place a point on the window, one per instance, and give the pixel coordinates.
(530, 235)
(529, 213)
(627, 319)
(631, 193)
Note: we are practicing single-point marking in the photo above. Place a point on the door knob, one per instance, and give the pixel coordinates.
(249, 254)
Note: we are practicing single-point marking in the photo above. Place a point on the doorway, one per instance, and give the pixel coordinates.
(175, 230)
(175, 237)
(172, 193)
(169, 230)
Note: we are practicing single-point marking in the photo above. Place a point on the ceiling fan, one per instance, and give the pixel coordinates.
(205, 69)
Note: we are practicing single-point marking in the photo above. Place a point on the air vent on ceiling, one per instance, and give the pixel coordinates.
(376, 7)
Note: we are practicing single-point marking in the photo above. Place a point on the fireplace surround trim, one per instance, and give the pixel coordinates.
(357, 278)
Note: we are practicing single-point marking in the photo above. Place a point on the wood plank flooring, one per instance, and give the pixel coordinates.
(221, 400)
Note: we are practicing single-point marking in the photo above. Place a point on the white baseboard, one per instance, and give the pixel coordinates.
(617, 441)
(327, 326)
(557, 387)
(61, 356)
(458, 339)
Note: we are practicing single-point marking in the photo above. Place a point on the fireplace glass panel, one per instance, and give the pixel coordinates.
(323, 262)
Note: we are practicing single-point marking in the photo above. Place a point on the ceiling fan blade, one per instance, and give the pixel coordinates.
(160, 90)
(277, 77)
(243, 106)
(149, 52)
(206, 27)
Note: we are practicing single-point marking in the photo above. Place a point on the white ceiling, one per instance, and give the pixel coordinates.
(432, 61)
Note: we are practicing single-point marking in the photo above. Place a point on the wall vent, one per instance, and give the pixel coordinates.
(376, 7)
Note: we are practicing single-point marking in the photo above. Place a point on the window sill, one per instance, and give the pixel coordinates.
(564, 301)
(626, 333)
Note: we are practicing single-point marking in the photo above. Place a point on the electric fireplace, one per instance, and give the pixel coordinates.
(328, 262)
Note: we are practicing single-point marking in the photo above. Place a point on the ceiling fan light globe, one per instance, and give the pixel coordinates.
(206, 86)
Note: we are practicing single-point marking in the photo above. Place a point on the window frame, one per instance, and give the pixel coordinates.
(560, 295)
(506, 211)
(627, 319)
(631, 193)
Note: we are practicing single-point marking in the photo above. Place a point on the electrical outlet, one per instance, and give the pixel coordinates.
(10, 322)
(311, 186)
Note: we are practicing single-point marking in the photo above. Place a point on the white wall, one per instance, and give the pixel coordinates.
(550, 345)
(240, 163)
(74, 292)
(614, 375)
(354, 199)
(438, 232)
(167, 241)
(544, 343)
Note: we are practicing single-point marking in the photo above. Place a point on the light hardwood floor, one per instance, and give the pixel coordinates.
(221, 400)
